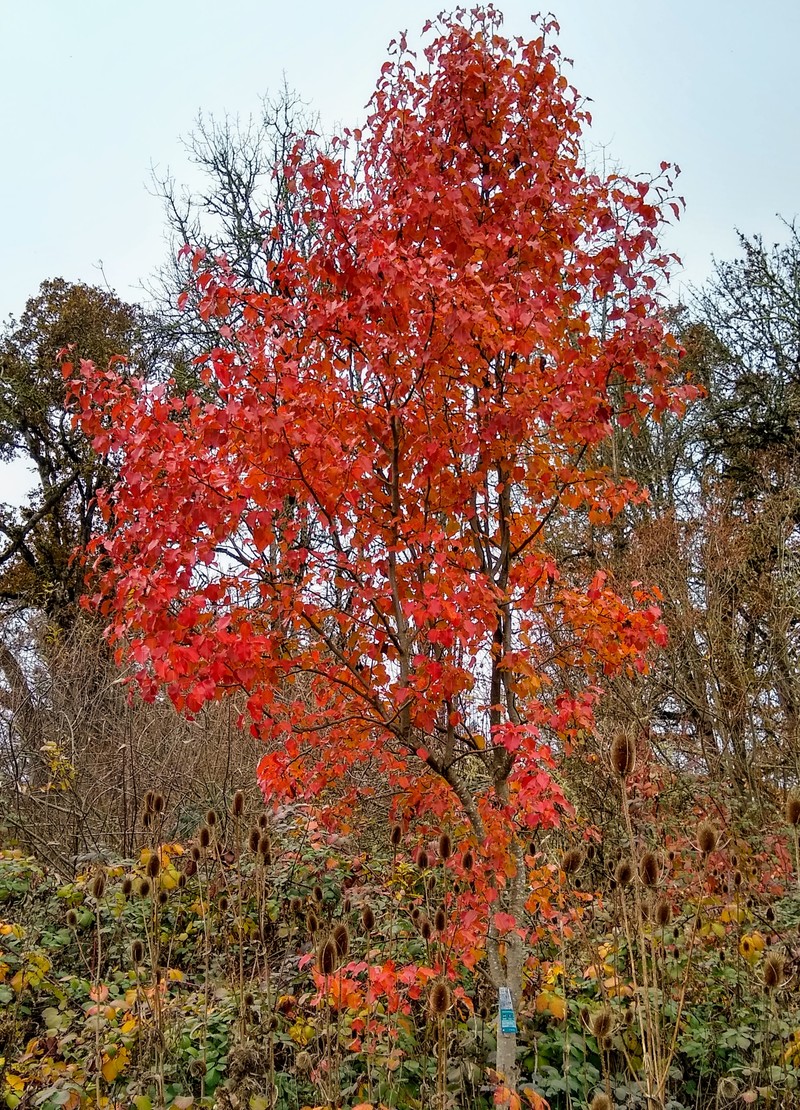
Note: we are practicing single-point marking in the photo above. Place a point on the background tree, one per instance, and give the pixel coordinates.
(348, 527)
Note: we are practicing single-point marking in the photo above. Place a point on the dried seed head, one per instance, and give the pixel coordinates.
(317, 892)
(211, 818)
(368, 919)
(99, 886)
(137, 951)
(737, 879)
(706, 837)
(431, 884)
(182, 879)
(158, 803)
(662, 913)
(204, 836)
(153, 865)
(440, 920)
(254, 839)
(144, 888)
(650, 869)
(601, 1023)
(147, 818)
(265, 848)
(426, 930)
(416, 914)
(190, 867)
(162, 897)
(445, 847)
(468, 860)
(793, 809)
(326, 961)
(601, 1102)
(624, 872)
(423, 860)
(623, 755)
(347, 907)
(572, 861)
(303, 1062)
(222, 903)
(127, 886)
(774, 971)
(440, 999)
(341, 938)
(769, 913)
(72, 919)
(395, 836)
(147, 801)
(237, 805)
(312, 922)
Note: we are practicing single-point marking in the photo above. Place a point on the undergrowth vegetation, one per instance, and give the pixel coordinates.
(268, 962)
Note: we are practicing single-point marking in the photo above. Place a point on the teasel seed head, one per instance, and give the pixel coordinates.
(445, 847)
(624, 872)
(223, 903)
(211, 818)
(774, 971)
(147, 801)
(72, 919)
(158, 803)
(468, 860)
(425, 930)
(440, 999)
(144, 888)
(341, 938)
(650, 869)
(265, 848)
(793, 810)
(431, 884)
(312, 922)
(601, 1101)
(395, 836)
(254, 839)
(662, 913)
(623, 755)
(147, 818)
(204, 836)
(317, 892)
(706, 837)
(601, 1023)
(190, 867)
(127, 886)
(162, 897)
(440, 920)
(303, 1062)
(182, 880)
(423, 860)
(327, 958)
(416, 914)
(368, 919)
(572, 861)
(137, 951)
(153, 865)
(237, 805)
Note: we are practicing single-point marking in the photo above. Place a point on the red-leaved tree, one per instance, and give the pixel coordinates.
(349, 524)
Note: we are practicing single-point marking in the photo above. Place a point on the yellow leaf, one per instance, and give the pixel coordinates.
(175, 975)
(15, 1082)
(114, 1065)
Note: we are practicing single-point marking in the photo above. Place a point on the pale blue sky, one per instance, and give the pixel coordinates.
(94, 91)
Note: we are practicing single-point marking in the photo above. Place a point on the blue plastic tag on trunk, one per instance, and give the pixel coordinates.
(508, 1021)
